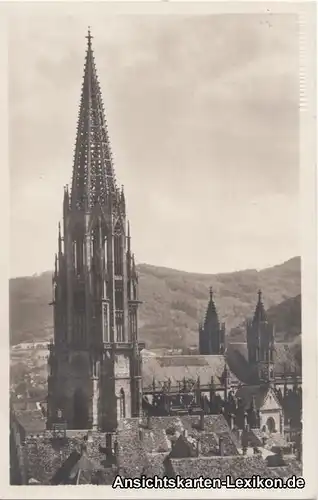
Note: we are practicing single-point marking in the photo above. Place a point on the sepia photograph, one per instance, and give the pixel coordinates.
(155, 249)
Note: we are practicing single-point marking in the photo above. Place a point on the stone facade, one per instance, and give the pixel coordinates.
(271, 414)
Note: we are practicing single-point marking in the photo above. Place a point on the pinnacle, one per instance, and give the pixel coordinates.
(260, 314)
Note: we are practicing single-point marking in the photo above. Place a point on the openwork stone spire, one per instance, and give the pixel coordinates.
(95, 286)
(93, 174)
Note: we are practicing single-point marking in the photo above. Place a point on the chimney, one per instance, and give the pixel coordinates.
(109, 443)
(221, 447)
(198, 447)
(83, 447)
(245, 420)
(149, 423)
(231, 421)
(201, 425)
(141, 434)
(115, 448)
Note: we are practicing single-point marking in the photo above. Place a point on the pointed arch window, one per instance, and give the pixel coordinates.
(122, 405)
(105, 254)
(257, 353)
(118, 253)
(75, 255)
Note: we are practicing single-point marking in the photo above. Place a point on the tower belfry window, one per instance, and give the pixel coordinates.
(118, 254)
(75, 255)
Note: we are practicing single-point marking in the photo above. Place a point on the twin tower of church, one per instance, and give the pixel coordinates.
(95, 361)
(260, 339)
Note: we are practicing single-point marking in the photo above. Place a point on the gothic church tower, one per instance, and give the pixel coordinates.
(260, 343)
(95, 361)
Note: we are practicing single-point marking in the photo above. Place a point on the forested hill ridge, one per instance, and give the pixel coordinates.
(174, 302)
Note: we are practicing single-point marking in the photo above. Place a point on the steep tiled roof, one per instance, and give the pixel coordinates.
(156, 464)
(238, 466)
(285, 466)
(273, 440)
(209, 444)
(46, 455)
(247, 392)
(177, 367)
(32, 421)
(237, 358)
(212, 423)
(165, 430)
(259, 392)
(155, 440)
(131, 455)
(293, 466)
(149, 455)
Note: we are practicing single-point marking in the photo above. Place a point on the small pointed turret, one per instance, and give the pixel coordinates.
(66, 201)
(55, 266)
(122, 200)
(60, 241)
(128, 240)
(252, 414)
(260, 314)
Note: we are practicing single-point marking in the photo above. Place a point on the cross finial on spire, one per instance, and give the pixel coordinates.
(211, 293)
(89, 37)
(259, 293)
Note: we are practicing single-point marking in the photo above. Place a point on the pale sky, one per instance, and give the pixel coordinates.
(203, 119)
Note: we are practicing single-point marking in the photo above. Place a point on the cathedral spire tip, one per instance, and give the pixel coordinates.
(93, 179)
(211, 292)
(89, 37)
